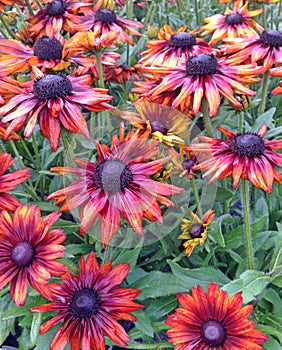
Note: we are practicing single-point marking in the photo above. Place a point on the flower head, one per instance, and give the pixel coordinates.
(172, 46)
(117, 184)
(29, 250)
(213, 321)
(204, 76)
(244, 155)
(264, 49)
(53, 99)
(232, 24)
(195, 231)
(9, 181)
(120, 74)
(164, 123)
(89, 306)
(4, 3)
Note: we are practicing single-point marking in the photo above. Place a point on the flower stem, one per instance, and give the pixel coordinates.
(6, 26)
(102, 85)
(196, 12)
(207, 118)
(197, 198)
(263, 93)
(30, 10)
(241, 121)
(246, 206)
(68, 144)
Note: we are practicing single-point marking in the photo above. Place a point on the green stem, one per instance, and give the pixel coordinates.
(207, 118)
(6, 26)
(19, 11)
(241, 121)
(263, 93)
(30, 10)
(68, 144)
(279, 14)
(38, 3)
(102, 85)
(226, 201)
(149, 15)
(248, 233)
(197, 198)
(196, 12)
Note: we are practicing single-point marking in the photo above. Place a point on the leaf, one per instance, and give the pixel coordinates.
(128, 257)
(223, 193)
(273, 297)
(277, 281)
(144, 323)
(67, 226)
(251, 283)
(203, 275)
(265, 118)
(161, 307)
(35, 326)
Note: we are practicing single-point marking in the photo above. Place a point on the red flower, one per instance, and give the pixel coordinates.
(213, 321)
(117, 184)
(28, 251)
(89, 305)
(9, 182)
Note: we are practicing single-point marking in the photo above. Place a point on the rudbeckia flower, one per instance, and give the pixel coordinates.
(172, 46)
(205, 76)
(232, 24)
(117, 184)
(195, 231)
(164, 123)
(277, 72)
(29, 250)
(244, 155)
(90, 305)
(53, 99)
(264, 49)
(9, 181)
(4, 3)
(56, 16)
(120, 74)
(278, 89)
(212, 320)
(103, 20)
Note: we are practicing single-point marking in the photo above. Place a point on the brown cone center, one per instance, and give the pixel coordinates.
(23, 253)
(247, 145)
(85, 303)
(213, 333)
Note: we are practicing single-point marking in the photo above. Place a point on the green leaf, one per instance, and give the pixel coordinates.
(277, 281)
(128, 257)
(273, 297)
(46, 206)
(271, 344)
(67, 226)
(35, 326)
(161, 307)
(223, 193)
(203, 276)
(144, 323)
(251, 283)
(6, 326)
(265, 118)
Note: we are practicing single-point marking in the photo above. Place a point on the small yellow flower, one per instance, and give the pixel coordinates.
(195, 231)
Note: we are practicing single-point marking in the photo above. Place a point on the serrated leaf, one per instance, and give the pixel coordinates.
(251, 283)
(144, 323)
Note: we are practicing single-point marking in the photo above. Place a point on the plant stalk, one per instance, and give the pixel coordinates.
(263, 93)
(248, 232)
(207, 118)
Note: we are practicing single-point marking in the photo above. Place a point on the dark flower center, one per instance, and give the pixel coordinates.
(188, 163)
(48, 48)
(196, 230)
(85, 303)
(56, 7)
(248, 145)
(158, 126)
(271, 37)
(52, 86)
(213, 333)
(105, 16)
(112, 175)
(23, 253)
(234, 18)
(182, 39)
(202, 64)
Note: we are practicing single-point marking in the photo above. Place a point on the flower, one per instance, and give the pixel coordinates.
(56, 16)
(277, 72)
(182, 163)
(47, 52)
(232, 24)
(120, 74)
(29, 250)
(117, 184)
(164, 123)
(9, 182)
(212, 320)
(264, 49)
(195, 231)
(236, 1)
(172, 46)
(4, 3)
(89, 305)
(245, 155)
(104, 20)
(204, 76)
(54, 99)
(278, 89)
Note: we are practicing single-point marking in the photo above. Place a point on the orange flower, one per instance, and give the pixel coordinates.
(195, 231)
(29, 251)
(120, 74)
(264, 49)
(103, 20)
(117, 184)
(232, 24)
(53, 99)
(4, 3)
(204, 76)
(9, 182)
(244, 155)
(236, 1)
(172, 46)
(277, 72)
(213, 321)
(90, 305)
